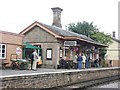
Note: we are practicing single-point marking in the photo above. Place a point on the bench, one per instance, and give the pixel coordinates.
(65, 64)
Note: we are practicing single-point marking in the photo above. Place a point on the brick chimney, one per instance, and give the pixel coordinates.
(57, 16)
(113, 34)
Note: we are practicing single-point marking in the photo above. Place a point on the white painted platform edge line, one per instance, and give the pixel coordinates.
(56, 72)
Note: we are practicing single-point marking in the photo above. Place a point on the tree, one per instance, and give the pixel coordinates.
(101, 37)
(89, 30)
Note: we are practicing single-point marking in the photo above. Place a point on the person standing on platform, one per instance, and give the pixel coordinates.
(84, 59)
(87, 61)
(32, 59)
(79, 59)
(100, 62)
(96, 63)
(75, 61)
(35, 57)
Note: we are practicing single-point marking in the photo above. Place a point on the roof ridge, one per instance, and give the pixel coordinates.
(11, 33)
(64, 29)
(118, 40)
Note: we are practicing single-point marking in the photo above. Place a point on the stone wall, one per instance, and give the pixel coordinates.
(55, 55)
(37, 34)
(114, 47)
(55, 79)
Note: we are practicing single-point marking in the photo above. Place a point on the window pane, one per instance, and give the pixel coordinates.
(40, 52)
(0, 56)
(3, 55)
(3, 46)
(61, 53)
(0, 50)
(49, 54)
(3, 51)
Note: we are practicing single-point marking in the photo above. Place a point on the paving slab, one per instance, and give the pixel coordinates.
(17, 72)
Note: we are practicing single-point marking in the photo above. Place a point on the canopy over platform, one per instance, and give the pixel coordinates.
(28, 49)
(30, 46)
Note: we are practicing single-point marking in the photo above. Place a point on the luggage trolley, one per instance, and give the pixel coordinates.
(18, 63)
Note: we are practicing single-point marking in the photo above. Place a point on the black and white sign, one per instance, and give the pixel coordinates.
(70, 43)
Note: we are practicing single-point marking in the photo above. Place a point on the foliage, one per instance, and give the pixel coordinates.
(103, 51)
(89, 30)
(101, 37)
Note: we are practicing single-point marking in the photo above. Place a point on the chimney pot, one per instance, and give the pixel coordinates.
(113, 34)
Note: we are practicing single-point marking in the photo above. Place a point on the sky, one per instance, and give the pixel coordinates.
(16, 15)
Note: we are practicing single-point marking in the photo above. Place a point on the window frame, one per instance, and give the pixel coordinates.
(47, 54)
(61, 53)
(1, 53)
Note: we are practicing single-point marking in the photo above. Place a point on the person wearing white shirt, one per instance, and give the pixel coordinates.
(35, 58)
(84, 59)
(75, 61)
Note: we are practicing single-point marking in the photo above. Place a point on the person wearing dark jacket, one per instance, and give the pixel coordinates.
(79, 60)
(96, 63)
(88, 61)
(62, 63)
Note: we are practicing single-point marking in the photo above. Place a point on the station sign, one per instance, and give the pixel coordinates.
(70, 43)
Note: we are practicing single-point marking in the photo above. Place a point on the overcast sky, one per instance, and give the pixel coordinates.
(16, 15)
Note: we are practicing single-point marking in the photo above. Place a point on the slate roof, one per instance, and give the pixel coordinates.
(117, 40)
(61, 33)
(66, 33)
(10, 33)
